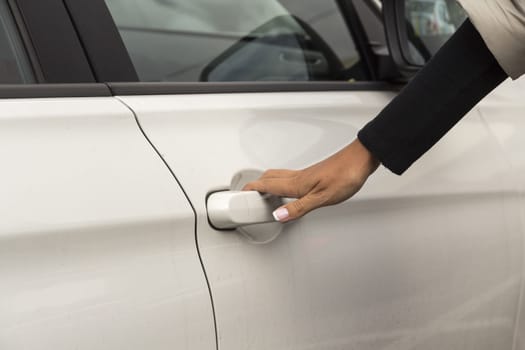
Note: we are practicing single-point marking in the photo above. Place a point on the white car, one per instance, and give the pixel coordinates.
(112, 147)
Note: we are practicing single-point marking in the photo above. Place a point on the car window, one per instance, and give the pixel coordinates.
(431, 24)
(236, 40)
(14, 65)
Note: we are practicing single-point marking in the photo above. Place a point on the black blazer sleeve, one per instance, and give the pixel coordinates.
(448, 87)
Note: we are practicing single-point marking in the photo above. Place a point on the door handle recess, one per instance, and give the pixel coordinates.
(234, 209)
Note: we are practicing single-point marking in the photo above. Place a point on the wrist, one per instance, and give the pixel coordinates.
(370, 162)
(363, 162)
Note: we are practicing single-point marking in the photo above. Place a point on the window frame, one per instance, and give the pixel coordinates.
(176, 88)
(100, 38)
(94, 68)
(18, 91)
(50, 41)
(357, 31)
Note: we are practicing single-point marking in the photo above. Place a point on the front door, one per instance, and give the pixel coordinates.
(420, 261)
(429, 260)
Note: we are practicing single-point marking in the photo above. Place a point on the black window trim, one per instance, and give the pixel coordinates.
(15, 91)
(177, 88)
(20, 91)
(359, 36)
(51, 41)
(99, 36)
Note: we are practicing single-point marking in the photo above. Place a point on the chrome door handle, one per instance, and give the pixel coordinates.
(234, 209)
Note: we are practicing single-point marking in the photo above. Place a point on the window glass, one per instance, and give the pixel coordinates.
(14, 66)
(236, 40)
(430, 24)
(325, 18)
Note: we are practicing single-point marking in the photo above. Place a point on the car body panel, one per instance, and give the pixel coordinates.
(97, 244)
(503, 111)
(98, 247)
(429, 260)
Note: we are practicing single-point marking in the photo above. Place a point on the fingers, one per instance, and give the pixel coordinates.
(278, 173)
(285, 183)
(328, 182)
(297, 209)
(260, 184)
(282, 187)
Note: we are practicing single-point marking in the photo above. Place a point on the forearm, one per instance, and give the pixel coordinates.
(451, 84)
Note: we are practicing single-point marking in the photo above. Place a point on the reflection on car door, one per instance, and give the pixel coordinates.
(429, 260)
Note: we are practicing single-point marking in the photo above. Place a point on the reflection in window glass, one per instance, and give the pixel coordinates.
(195, 16)
(326, 18)
(431, 23)
(236, 40)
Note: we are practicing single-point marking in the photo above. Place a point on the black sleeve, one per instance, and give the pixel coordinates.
(448, 87)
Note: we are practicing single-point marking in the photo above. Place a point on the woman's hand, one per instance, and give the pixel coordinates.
(328, 182)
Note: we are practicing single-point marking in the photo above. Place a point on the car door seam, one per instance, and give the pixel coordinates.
(194, 215)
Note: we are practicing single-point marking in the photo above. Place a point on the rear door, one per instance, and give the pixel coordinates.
(97, 240)
(430, 260)
(97, 245)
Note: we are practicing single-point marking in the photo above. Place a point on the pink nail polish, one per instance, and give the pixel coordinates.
(281, 214)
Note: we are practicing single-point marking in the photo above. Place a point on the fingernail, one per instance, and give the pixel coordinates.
(281, 214)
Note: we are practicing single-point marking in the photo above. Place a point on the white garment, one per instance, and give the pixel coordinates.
(501, 24)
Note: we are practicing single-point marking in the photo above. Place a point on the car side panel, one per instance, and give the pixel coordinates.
(97, 244)
(429, 260)
(504, 112)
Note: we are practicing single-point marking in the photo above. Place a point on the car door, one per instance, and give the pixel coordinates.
(97, 240)
(503, 110)
(428, 260)
(409, 262)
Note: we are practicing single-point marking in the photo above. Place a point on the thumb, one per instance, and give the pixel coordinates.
(295, 209)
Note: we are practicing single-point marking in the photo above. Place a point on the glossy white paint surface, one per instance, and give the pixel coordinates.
(504, 112)
(430, 260)
(97, 245)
